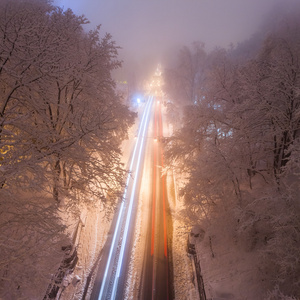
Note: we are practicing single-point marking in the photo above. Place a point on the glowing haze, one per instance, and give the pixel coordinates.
(147, 29)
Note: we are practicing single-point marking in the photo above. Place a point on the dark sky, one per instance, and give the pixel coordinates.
(148, 29)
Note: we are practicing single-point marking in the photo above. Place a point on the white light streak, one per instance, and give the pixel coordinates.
(125, 235)
(122, 206)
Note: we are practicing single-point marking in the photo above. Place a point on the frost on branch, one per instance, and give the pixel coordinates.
(238, 151)
(61, 127)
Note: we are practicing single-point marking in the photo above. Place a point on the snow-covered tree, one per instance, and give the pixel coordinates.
(239, 149)
(59, 95)
(61, 127)
(184, 82)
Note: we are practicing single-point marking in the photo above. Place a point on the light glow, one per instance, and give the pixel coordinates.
(126, 229)
(141, 135)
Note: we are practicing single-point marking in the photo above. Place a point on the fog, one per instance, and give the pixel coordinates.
(148, 29)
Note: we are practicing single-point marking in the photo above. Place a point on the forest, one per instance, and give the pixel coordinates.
(235, 115)
(237, 147)
(61, 127)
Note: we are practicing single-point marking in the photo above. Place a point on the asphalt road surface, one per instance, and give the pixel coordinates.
(156, 283)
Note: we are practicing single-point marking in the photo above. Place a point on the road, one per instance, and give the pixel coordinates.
(156, 283)
(113, 268)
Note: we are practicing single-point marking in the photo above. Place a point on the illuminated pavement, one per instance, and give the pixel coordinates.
(109, 282)
(156, 280)
(113, 268)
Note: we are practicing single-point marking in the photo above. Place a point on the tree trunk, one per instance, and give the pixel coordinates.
(56, 176)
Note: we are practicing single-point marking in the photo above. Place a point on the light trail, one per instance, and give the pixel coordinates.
(163, 186)
(142, 129)
(155, 146)
(164, 205)
(159, 243)
(128, 218)
(154, 186)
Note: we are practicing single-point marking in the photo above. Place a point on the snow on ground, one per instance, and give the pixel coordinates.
(183, 276)
(91, 237)
(184, 281)
(229, 273)
(230, 268)
(94, 228)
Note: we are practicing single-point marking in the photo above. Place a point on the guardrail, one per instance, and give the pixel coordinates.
(196, 268)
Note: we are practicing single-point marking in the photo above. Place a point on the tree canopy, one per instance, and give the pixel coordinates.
(238, 144)
(61, 127)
